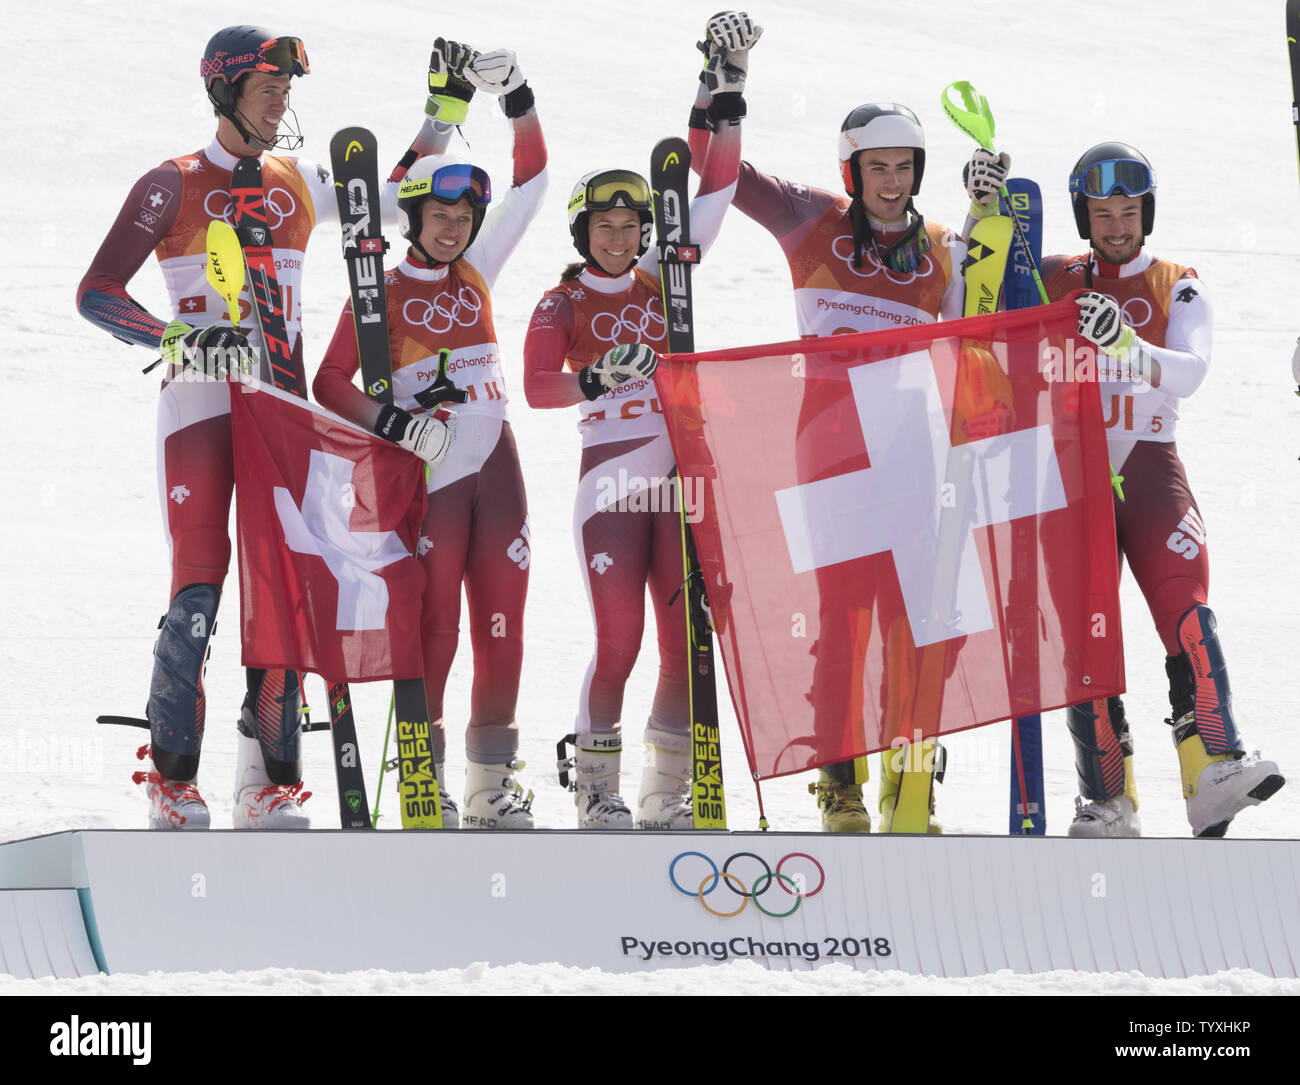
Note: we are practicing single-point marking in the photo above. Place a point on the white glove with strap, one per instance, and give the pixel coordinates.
(498, 73)
(1101, 322)
(734, 31)
(728, 37)
(628, 361)
(984, 176)
(427, 437)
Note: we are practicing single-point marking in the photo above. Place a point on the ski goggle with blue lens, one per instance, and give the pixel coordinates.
(450, 183)
(1102, 179)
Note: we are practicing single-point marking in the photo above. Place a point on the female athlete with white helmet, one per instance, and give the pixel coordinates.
(475, 532)
(592, 342)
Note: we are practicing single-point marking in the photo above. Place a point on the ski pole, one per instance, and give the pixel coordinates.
(975, 118)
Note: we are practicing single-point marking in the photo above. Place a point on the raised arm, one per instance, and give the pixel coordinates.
(498, 73)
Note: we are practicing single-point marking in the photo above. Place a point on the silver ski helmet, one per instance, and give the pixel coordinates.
(444, 178)
(879, 124)
(1108, 169)
(604, 190)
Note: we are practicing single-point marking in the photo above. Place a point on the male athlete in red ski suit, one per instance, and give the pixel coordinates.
(1147, 325)
(247, 71)
(859, 262)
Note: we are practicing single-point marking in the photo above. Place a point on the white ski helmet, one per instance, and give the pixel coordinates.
(603, 190)
(444, 178)
(879, 124)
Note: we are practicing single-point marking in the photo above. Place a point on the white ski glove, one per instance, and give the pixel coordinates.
(629, 361)
(728, 37)
(1102, 323)
(427, 437)
(732, 30)
(496, 72)
(984, 175)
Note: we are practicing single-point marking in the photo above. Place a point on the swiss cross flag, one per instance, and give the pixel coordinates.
(328, 518)
(902, 532)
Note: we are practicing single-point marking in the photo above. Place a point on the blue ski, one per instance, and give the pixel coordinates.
(1021, 292)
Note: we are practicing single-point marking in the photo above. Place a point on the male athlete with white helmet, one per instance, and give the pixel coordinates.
(475, 532)
(859, 261)
(1148, 321)
(246, 72)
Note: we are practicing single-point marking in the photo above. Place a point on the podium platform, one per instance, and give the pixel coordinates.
(137, 901)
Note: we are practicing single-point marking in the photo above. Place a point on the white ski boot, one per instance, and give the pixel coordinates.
(494, 799)
(664, 801)
(1217, 787)
(1103, 818)
(1114, 817)
(259, 803)
(173, 804)
(597, 759)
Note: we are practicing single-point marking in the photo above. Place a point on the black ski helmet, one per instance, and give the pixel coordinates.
(234, 51)
(879, 124)
(1109, 168)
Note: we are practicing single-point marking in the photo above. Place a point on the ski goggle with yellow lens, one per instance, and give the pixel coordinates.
(613, 188)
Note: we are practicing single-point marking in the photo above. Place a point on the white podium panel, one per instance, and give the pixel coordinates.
(402, 901)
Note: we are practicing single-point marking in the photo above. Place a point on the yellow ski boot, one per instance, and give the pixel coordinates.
(907, 776)
(843, 810)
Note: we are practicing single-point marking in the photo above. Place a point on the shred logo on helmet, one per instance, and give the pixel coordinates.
(232, 53)
(874, 125)
(447, 179)
(604, 190)
(1111, 169)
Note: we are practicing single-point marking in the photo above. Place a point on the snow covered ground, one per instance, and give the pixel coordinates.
(94, 98)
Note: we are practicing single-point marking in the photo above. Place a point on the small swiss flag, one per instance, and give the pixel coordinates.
(196, 304)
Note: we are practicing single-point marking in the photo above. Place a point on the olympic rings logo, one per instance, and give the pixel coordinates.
(445, 310)
(872, 266)
(792, 886)
(1131, 307)
(279, 203)
(632, 322)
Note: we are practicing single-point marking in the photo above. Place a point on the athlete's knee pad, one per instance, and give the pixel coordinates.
(1101, 743)
(1198, 685)
(272, 713)
(176, 705)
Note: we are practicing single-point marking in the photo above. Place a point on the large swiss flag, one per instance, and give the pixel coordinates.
(904, 533)
(328, 520)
